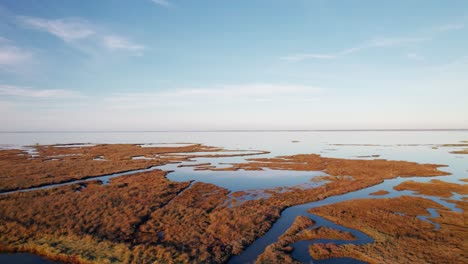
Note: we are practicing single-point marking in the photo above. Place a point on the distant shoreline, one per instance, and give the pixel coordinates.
(241, 130)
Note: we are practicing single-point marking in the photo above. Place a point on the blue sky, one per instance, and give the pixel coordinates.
(221, 65)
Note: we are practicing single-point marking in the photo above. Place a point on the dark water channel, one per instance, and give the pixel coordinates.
(23, 258)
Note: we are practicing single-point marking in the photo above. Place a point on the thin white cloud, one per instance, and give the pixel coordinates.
(234, 91)
(415, 56)
(450, 27)
(82, 34)
(113, 42)
(373, 43)
(253, 93)
(306, 56)
(391, 42)
(67, 29)
(27, 92)
(161, 2)
(244, 90)
(12, 55)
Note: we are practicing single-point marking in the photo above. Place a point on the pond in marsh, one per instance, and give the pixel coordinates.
(240, 180)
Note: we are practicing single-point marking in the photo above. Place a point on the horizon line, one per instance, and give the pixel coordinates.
(236, 130)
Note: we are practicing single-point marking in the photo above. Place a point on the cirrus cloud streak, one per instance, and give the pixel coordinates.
(80, 32)
(28, 92)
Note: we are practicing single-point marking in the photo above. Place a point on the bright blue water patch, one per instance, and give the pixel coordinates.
(246, 180)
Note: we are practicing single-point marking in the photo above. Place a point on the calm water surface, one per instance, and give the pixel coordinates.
(23, 258)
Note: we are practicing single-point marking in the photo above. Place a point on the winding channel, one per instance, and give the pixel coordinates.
(301, 248)
(300, 252)
(105, 179)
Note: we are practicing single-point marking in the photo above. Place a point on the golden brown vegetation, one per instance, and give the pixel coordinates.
(433, 188)
(77, 221)
(377, 169)
(401, 237)
(53, 164)
(134, 219)
(144, 217)
(325, 232)
(460, 151)
(463, 151)
(380, 192)
(463, 144)
(279, 252)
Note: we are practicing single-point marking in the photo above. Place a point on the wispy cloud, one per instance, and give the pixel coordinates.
(222, 93)
(120, 43)
(68, 29)
(162, 2)
(244, 90)
(376, 43)
(450, 27)
(82, 34)
(373, 43)
(391, 42)
(414, 56)
(234, 91)
(306, 56)
(27, 92)
(11, 55)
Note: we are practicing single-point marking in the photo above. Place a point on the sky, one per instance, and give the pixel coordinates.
(131, 65)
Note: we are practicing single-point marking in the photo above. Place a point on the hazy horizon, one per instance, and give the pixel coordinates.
(171, 65)
(239, 130)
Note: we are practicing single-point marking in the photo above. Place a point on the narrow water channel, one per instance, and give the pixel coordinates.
(24, 258)
(300, 252)
(103, 178)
